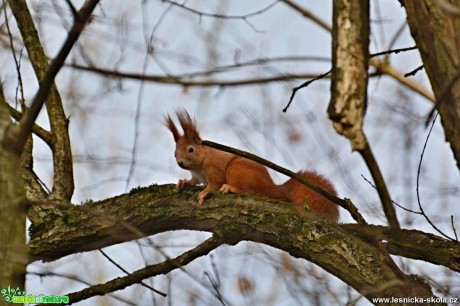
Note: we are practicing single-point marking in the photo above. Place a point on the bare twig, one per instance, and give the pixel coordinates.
(72, 8)
(399, 205)
(222, 16)
(295, 89)
(215, 282)
(418, 186)
(77, 279)
(256, 62)
(453, 227)
(387, 69)
(16, 61)
(232, 67)
(396, 51)
(345, 203)
(127, 273)
(413, 72)
(180, 80)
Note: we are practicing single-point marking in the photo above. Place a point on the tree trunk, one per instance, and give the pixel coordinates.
(435, 27)
(13, 249)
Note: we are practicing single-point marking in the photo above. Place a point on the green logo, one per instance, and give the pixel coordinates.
(18, 296)
(10, 293)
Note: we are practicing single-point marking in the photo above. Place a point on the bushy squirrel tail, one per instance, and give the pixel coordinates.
(298, 194)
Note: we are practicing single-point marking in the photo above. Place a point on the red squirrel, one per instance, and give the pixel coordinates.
(227, 172)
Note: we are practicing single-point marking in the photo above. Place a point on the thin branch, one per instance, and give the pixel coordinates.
(395, 51)
(16, 61)
(345, 203)
(387, 69)
(400, 206)
(179, 80)
(127, 273)
(72, 8)
(232, 67)
(418, 184)
(215, 287)
(254, 62)
(413, 72)
(136, 277)
(453, 227)
(77, 279)
(295, 89)
(222, 16)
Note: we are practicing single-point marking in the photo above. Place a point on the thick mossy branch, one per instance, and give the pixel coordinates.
(351, 252)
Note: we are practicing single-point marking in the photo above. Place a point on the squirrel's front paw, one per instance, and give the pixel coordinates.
(182, 183)
(201, 196)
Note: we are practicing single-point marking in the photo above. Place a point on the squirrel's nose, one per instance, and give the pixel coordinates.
(181, 164)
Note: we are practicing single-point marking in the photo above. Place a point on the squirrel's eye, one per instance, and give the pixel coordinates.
(191, 149)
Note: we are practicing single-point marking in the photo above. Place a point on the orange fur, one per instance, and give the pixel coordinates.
(227, 172)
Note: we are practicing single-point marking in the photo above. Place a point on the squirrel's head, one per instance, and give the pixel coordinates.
(188, 153)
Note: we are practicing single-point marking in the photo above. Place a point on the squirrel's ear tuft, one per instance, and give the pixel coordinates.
(167, 121)
(188, 125)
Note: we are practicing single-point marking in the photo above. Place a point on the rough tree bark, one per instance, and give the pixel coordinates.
(435, 27)
(13, 249)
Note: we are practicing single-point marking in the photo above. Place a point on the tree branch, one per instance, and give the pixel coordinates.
(43, 134)
(348, 251)
(438, 45)
(222, 16)
(185, 80)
